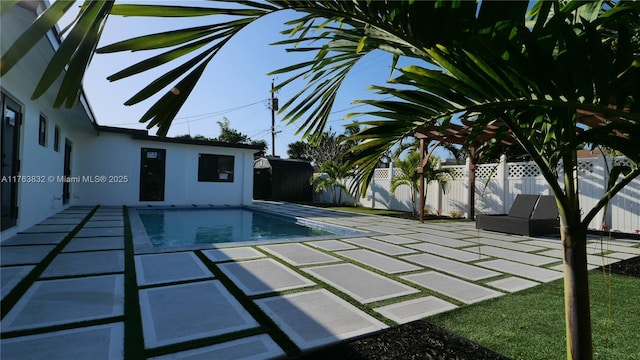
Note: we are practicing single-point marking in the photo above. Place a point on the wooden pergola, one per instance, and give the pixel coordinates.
(458, 135)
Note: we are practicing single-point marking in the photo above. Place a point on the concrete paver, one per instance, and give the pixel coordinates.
(597, 260)
(252, 347)
(93, 244)
(452, 287)
(44, 228)
(86, 263)
(383, 229)
(239, 253)
(104, 223)
(523, 270)
(434, 239)
(465, 255)
(331, 245)
(171, 267)
(542, 243)
(101, 342)
(447, 234)
(56, 220)
(315, 318)
(621, 256)
(492, 235)
(263, 276)
(613, 247)
(35, 239)
(65, 301)
(512, 284)
(298, 254)
(71, 215)
(11, 276)
(517, 246)
(94, 232)
(380, 246)
(177, 290)
(380, 262)
(453, 267)
(363, 285)
(107, 217)
(395, 239)
(197, 310)
(24, 255)
(519, 256)
(415, 309)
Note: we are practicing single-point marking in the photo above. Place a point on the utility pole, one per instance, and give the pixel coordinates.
(274, 108)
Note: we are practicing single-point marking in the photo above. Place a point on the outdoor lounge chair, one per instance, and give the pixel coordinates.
(529, 215)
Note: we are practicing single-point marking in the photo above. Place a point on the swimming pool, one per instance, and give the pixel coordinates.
(189, 227)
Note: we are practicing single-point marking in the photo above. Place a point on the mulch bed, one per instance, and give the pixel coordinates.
(417, 340)
(629, 267)
(420, 340)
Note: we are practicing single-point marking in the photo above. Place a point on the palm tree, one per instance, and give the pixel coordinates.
(331, 178)
(299, 150)
(409, 175)
(558, 75)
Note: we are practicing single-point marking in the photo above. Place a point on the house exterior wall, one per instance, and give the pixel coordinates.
(39, 192)
(117, 157)
(95, 153)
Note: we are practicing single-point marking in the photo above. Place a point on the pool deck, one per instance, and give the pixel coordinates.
(74, 287)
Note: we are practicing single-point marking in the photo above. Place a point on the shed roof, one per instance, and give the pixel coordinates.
(138, 134)
(278, 163)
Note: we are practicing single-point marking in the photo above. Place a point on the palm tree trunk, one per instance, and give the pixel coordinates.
(576, 293)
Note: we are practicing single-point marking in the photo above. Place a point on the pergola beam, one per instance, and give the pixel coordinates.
(458, 134)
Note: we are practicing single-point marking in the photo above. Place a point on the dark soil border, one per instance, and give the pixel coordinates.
(417, 340)
(629, 267)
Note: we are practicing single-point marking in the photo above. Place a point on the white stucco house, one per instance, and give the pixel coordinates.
(55, 158)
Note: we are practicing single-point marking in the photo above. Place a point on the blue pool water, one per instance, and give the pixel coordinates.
(185, 227)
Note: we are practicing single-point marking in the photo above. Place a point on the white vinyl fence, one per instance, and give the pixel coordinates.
(497, 186)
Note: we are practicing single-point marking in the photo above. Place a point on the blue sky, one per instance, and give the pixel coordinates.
(235, 85)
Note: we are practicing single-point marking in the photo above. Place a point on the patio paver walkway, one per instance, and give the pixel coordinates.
(73, 284)
(318, 317)
(363, 285)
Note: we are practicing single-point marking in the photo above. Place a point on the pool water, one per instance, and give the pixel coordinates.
(184, 227)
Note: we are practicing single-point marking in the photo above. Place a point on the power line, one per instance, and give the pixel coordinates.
(199, 117)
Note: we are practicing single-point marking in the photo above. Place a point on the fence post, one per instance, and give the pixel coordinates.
(600, 171)
(467, 182)
(502, 178)
(438, 198)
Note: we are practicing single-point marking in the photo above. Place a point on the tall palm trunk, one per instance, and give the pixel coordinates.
(576, 293)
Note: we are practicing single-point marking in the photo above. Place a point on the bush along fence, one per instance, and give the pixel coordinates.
(497, 186)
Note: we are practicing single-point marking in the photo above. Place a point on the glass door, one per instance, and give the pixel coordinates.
(11, 121)
(152, 167)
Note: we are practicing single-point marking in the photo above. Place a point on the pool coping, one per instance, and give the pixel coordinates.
(142, 244)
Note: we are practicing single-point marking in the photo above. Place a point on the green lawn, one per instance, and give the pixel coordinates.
(530, 324)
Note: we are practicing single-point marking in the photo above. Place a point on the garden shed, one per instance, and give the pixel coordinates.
(282, 179)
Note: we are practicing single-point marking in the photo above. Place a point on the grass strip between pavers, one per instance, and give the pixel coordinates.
(279, 336)
(21, 288)
(368, 308)
(133, 328)
(133, 336)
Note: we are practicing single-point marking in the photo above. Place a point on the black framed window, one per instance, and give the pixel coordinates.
(215, 168)
(56, 139)
(42, 131)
